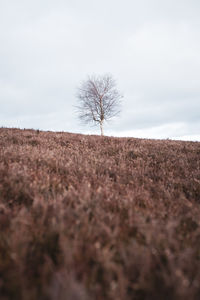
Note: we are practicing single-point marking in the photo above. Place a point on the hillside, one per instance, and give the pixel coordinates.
(89, 217)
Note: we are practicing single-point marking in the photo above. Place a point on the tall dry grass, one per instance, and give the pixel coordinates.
(87, 217)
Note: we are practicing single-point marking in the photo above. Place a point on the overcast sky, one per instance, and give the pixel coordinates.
(151, 47)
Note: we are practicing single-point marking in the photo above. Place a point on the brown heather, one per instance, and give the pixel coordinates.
(88, 217)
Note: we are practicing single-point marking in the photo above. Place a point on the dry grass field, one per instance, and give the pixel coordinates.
(89, 217)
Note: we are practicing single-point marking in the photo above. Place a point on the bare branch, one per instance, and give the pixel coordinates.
(99, 100)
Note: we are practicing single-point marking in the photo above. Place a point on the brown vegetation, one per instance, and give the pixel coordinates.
(87, 217)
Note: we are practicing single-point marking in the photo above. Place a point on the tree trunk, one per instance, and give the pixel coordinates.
(101, 127)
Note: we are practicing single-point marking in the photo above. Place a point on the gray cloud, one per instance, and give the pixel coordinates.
(151, 47)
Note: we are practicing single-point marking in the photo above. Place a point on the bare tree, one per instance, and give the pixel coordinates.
(99, 100)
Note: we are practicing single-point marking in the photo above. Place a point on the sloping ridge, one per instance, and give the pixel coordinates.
(90, 217)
